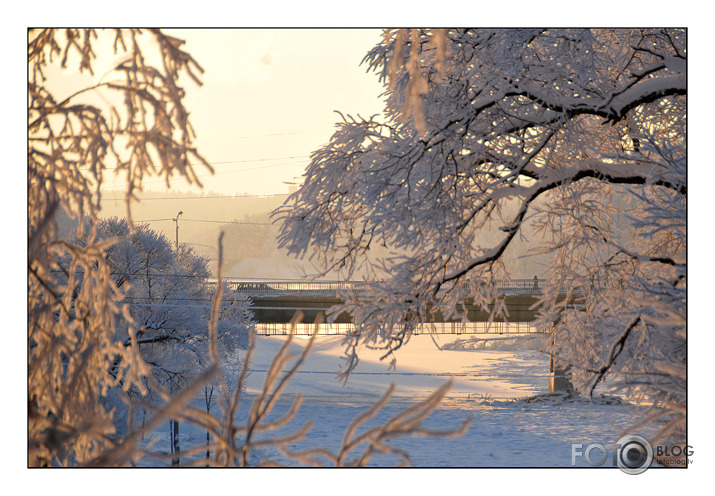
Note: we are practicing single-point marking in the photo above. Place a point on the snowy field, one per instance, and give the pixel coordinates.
(492, 375)
(509, 367)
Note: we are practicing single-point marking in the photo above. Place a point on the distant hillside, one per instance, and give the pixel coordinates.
(200, 212)
(250, 246)
(203, 217)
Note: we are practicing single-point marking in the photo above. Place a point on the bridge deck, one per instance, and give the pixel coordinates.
(276, 302)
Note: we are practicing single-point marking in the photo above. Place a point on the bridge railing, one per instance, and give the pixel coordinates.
(522, 285)
(281, 287)
(281, 329)
(266, 288)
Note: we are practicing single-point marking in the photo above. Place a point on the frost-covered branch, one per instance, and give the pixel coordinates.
(562, 150)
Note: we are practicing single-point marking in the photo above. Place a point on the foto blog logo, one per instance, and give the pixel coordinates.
(633, 454)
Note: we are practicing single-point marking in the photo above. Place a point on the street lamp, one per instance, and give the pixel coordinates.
(177, 229)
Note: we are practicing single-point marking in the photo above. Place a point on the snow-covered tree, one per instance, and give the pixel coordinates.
(575, 136)
(170, 302)
(169, 296)
(130, 119)
(169, 299)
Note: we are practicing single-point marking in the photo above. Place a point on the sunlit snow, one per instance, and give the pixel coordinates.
(492, 375)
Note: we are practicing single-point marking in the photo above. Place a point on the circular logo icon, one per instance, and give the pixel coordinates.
(634, 455)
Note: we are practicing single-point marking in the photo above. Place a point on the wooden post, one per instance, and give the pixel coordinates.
(174, 440)
(558, 381)
(557, 377)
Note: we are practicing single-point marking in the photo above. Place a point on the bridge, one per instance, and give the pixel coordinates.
(276, 302)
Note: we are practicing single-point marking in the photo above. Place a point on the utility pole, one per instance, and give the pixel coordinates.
(173, 423)
(177, 229)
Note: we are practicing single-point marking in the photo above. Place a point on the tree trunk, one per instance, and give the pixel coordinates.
(174, 441)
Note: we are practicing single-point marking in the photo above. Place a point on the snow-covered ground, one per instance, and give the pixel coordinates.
(505, 367)
(492, 375)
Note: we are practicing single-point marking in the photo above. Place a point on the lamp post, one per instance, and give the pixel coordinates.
(177, 229)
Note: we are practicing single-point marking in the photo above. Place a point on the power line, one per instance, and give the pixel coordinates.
(199, 140)
(132, 274)
(171, 298)
(184, 305)
(209, 280)
(231, 222)
(214, 221)
(234, 197)
(221, 162)
(226, 172)
(255, 160)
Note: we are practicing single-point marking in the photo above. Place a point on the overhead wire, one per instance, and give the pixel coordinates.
(199, 140)
(220, 162)
(231, 172)
(214, 221)
(210, 280)
(221, 197)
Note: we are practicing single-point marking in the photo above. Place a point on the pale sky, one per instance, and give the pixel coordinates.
(269, 99)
